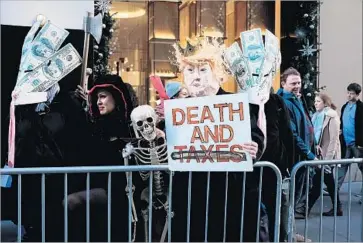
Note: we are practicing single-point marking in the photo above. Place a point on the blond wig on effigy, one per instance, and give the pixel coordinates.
(199, 51)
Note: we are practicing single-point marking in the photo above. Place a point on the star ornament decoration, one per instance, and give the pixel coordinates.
(103, 6)
(308, 49)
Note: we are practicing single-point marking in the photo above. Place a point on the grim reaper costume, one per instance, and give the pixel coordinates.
(50, 134)
(58, 136)
(193, 56)
(112, 132)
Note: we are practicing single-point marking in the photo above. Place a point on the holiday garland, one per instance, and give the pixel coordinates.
(103, 50)
(307, 37)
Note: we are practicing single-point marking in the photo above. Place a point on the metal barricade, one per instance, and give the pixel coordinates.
(278, 195)
(72, 170)
(152, 168)
(319, 166)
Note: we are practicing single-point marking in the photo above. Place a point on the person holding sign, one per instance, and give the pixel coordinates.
(203, 69)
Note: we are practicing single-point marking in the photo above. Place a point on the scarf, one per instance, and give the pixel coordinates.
(318, 120)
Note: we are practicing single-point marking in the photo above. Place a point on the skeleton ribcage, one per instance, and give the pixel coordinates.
(152, 154)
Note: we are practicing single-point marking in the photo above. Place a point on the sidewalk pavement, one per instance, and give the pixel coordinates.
(356, 220)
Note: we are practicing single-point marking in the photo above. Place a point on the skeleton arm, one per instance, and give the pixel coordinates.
(126, 153)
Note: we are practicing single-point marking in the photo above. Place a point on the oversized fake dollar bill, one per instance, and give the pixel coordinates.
(238, 65)
(45, 44)
(28, 40)
(254, 49)
(52, 33)
(272, 49)
(261, 93)
(50, 71)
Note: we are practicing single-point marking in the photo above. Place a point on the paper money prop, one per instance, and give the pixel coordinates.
(255, 66)
(42, 66)
(273, 50)
(50, 71)
(45, 44)
(253, 48)
(238, 66)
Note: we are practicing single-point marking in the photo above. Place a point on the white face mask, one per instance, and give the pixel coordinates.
(200, 80)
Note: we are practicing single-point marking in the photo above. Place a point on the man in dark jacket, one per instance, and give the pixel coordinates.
(302, 129)
(279, 150)
(202, 77)
(352, 129)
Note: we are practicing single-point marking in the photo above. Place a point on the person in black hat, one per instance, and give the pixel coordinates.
(110, 106)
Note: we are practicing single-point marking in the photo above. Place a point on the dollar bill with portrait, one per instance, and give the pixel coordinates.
(254, 49)
(50, 71)
(238, 66)
(44, 45)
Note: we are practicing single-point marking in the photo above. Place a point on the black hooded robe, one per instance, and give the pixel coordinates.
(58, 137)
(116, 125)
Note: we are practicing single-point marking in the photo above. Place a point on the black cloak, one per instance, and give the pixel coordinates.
(217, 200)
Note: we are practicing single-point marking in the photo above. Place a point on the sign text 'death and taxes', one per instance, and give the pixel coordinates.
(206, 134)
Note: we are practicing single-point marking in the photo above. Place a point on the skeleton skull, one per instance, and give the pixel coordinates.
(144, 121)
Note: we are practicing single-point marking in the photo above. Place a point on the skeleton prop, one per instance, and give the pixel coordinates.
(151, 150)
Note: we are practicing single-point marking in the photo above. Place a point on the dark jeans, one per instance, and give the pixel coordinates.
(351, 152)
(300, 189)
(269, 199)
(315, 191)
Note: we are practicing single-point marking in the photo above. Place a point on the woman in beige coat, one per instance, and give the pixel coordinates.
(326, 130)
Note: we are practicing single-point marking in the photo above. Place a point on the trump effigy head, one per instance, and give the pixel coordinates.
(202, 65)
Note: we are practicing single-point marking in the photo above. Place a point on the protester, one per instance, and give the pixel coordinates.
(203, 74)
(110, 108)
(175, 90)
(56, 136)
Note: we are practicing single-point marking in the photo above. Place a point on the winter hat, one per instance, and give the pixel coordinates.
(173, 88)
(115, 85)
